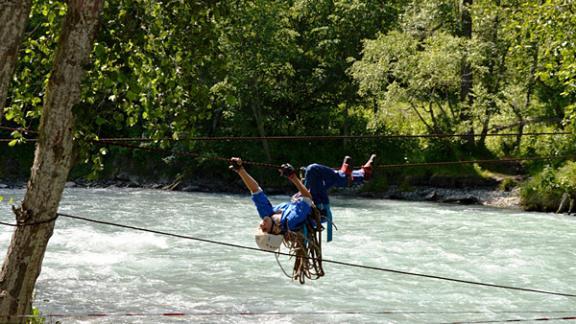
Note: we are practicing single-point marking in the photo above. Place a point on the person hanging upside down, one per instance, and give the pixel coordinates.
(278, 220)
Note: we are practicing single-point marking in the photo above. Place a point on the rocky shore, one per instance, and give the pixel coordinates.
(487, 196)
(464, 196)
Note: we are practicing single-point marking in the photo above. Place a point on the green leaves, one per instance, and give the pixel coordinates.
(178, 69)
(400, 67)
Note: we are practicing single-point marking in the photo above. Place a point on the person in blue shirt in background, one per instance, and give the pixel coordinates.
(291, 216)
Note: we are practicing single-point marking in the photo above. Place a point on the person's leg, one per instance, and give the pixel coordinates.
(364, 173)
(346, 168)
(367, 167)
(318, 180)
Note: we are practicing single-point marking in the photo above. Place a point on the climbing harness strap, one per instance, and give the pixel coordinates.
(327, 212)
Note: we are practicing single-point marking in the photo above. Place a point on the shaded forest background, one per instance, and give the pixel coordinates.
(172, 71)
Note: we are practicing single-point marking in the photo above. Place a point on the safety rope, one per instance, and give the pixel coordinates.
(22, 224)
(443, 163)
(299, 138)
(352, 265)
(326, 137)
(114, 142)
(120, 142)
(7, 140)
(18, 129)
(193, 155)
(381, 166)
(306, 245)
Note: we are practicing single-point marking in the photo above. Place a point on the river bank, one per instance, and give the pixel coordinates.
(488, 196)
(464, 196)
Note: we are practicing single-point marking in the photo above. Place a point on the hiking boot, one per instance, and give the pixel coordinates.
(346, 168)
(367, 167)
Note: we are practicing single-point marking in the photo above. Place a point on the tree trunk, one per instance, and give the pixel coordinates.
(466, 98)
(13, 18)
(466, 72)
(256, 107)
(346, 127)
(496, 72)
(52, 162)
(528, 100)
(256, 111)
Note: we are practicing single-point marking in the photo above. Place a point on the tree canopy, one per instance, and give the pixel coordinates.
(181, 69)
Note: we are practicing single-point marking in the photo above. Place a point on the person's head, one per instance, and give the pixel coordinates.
(268, 234)
(266, 224)
(269, 225)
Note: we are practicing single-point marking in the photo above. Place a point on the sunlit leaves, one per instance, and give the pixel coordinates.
(27, 90)
(400, 66)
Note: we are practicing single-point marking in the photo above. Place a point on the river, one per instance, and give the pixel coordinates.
(95, 268)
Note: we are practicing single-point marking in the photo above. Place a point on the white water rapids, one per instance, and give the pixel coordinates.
(93, 268)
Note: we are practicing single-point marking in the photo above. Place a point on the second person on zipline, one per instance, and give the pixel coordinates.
(291, 216)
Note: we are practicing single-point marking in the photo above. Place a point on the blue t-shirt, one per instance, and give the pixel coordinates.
(294, 213)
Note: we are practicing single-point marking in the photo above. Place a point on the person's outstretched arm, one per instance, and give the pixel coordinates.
(288, 171)
(251, 184)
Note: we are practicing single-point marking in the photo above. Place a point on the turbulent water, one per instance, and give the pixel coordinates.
(95, 268)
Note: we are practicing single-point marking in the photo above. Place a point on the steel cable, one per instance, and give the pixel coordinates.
(540, 291)
(299, 138)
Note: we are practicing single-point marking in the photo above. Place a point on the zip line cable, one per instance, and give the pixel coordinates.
(115, 142)
(353, 265)
(328, 137)
(192, 155)
(18, 129)
(120, 142)
(7, 140)
(30, 224)
(511, 160)
(302, 137)
(275, 166)
(328, 261)
(381, 166)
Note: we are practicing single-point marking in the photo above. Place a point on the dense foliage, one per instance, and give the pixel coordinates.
(173, 70)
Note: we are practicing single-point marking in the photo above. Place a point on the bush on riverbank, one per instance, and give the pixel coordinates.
(544, 192)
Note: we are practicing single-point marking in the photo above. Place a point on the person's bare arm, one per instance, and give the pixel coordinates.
(300, 186)
(249, 182)
(288, 171)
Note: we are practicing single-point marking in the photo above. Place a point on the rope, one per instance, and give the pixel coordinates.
(32, 223)
(352, 265)
(307, 246)
(6, 140)
(386, 166)
(117, 142)
(295, 138)
(18, 129)
(382, 166)
(190, 154)
(325, 137)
